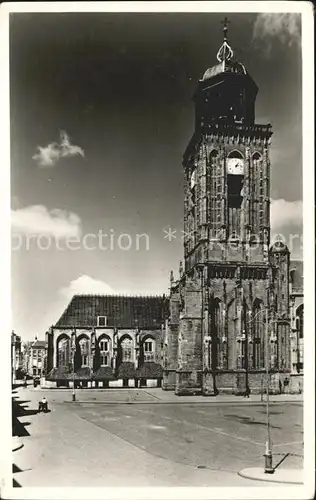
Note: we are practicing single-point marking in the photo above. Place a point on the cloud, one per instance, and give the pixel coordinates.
(38, 220)
(284, 214)
(49, 155)
(85, 285)
(285, 27)
(68, 149)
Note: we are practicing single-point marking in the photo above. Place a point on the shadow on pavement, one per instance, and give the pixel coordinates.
(17, 385)
(16, 469)
(249, 421)
(16, 484)
(20, 409)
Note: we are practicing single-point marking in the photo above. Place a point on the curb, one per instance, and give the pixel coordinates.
(155, 402)
(257, 474)
(204, 399)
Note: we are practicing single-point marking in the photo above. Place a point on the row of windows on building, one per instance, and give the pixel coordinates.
(252, 345)
(64, 351)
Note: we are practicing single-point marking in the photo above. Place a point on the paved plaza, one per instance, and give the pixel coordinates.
(151, 438)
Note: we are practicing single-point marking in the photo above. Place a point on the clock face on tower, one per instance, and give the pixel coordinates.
(235, 166)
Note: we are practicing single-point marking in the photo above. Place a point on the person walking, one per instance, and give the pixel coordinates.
(280, 386)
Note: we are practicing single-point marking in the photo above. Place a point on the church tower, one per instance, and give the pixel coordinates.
(224, 297)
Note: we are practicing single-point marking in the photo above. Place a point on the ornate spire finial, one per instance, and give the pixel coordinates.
(225, 28)
(225, 53)
(171, 278)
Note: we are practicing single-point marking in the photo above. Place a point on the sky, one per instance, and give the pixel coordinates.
(101, 113)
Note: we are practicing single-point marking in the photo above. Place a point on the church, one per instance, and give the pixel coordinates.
(232, 308)
(236, 306)
(105, 341)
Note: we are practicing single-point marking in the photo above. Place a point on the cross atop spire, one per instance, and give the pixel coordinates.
(225, 28)
(225, 53)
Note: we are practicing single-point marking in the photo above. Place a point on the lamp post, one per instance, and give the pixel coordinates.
(73, 377)
(268, 467)
(73, 348)
(200, 268)
(268, 464)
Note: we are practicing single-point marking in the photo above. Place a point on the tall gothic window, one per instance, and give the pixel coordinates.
(149, 349)
(84, 351)
(300, 321)
(235, 180)
(215, 327)
(127, 352)
(104, 346)
(258, 177)
(300, 332)
(216, 190)
(235, 191)
(258, 335)
(63, 351)
(245, 346)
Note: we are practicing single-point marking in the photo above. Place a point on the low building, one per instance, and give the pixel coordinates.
(34, 354)
(104, 341)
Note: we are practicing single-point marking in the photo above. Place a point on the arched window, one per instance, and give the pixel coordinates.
(257, 319)
(235, 188)
(127, 349)
(235, 154)
(244, 339)
(149, 347)
(300, 321)
(215, 331)
(258, 175)
(104, 347)
(300, 334)
(84, 351)
(256, 156)
(216, 184)
(63, 351)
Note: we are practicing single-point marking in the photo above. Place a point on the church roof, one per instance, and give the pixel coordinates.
(39, 344)
(224, 67)
(297, 274)
(120, 311)
(226, 63)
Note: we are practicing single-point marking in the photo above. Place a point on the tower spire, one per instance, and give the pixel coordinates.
(225, 28)
(225, 52)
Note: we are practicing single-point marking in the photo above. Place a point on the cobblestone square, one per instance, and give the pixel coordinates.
(107, 435)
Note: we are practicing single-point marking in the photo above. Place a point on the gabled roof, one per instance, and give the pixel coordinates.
(297, 274)
(39, 344)
(120, 311)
